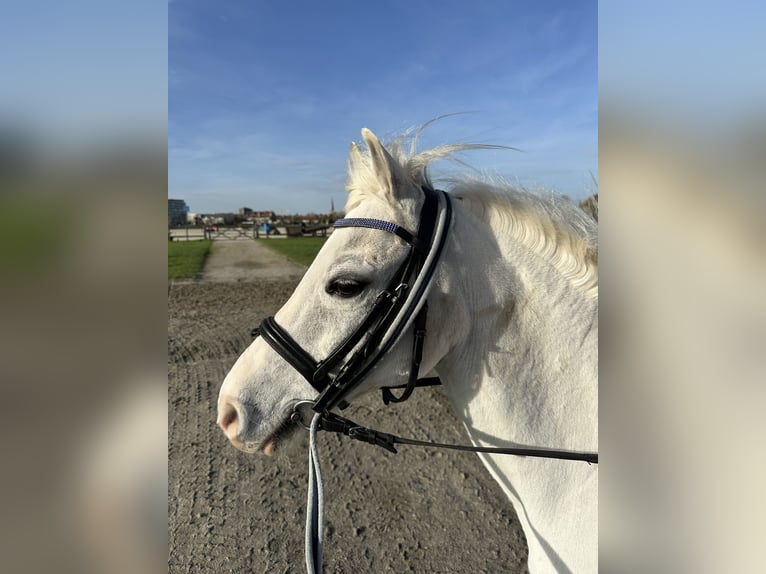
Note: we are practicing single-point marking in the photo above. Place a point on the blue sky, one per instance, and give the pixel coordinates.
(265, 97)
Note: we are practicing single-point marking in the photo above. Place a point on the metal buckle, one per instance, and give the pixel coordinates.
(401, 288)
(297, 417)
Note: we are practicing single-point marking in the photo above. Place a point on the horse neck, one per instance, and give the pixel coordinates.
(518, 350)
(523, 358)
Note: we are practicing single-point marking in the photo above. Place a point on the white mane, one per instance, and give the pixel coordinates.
(552, 225)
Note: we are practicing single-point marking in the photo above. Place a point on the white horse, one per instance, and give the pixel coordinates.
(512, 333)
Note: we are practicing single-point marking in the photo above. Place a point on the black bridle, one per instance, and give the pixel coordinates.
(404, 297)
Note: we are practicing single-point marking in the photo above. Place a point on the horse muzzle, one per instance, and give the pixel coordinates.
(233, 420)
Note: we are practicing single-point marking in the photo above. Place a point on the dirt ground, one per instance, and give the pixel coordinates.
(422, 510)
(245, 260)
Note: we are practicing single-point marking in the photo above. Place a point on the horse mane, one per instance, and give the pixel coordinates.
(549, 224)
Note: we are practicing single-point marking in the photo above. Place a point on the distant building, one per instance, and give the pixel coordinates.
(264, 216)
(217, 218)
(177, 210)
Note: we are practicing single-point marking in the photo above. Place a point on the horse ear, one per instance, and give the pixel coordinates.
(384, 167)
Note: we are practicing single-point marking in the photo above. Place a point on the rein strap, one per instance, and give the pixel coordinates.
(333, 423)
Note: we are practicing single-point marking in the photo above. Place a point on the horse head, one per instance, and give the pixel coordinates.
(354, 267)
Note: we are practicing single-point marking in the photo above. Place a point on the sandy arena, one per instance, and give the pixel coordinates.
(422, 510)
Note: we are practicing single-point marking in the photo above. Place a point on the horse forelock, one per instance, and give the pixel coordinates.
(411, 165)
(549, 224)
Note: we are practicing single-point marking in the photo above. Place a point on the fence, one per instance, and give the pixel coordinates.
(220, 233)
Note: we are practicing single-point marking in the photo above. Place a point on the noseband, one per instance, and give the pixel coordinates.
(401, 303)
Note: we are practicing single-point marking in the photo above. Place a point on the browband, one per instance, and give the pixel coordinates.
(383, 226)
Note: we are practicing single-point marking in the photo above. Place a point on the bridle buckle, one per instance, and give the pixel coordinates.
(297, 416)
(401, 288)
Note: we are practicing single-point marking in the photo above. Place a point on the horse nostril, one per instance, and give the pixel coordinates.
(229, 420)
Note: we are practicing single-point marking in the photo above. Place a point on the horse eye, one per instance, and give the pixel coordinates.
(345, 288)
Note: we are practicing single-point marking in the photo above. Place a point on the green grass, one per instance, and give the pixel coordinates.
(301, 250)
(185, 258)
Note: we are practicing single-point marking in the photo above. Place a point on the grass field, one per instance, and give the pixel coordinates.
(185, 258)
(301, 250)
